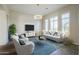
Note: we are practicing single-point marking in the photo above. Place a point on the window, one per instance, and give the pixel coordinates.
(51, 24)
(65, 22)
(37, 25)
(46, 25)
(54, 23)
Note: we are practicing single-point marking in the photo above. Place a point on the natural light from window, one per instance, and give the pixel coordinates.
(65, 23)
(37, 25)
(54, 23)
(46, 25)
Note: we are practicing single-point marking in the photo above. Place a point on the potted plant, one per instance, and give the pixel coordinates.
(12, 30)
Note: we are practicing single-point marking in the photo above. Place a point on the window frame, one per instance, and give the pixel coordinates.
(65, 19)
(46, 24)
(54, 20)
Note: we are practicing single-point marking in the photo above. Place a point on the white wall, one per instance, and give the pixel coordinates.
(3, 28)
(20, 20)
(3, 25)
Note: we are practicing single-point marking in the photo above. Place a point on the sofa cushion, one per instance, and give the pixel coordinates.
(52, 33)
(47, 32)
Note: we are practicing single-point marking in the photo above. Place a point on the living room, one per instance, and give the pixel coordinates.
(46, 28)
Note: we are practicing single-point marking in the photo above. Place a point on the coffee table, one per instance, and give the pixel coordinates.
(42, 37)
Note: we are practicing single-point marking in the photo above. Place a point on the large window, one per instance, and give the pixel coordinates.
(54, 23)
(65, 22)
(37, 25)
(46, 25)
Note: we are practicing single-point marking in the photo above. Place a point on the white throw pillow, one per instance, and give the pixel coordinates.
(27, 39)
(22, 36)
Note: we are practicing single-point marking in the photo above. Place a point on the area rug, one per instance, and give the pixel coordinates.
(45, 47)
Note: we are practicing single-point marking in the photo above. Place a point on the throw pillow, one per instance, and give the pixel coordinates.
(26, 39)
(21, 42)
(24, 35)
(21, 36)
(55, 34)
(50, 33)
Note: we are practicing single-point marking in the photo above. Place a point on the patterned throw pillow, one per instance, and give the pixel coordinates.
(55, 34)
(50, 33)
(21, 42)
(21, 36)
(24, 35)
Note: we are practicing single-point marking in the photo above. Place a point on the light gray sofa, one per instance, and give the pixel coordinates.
(50, 35)
(26, 49)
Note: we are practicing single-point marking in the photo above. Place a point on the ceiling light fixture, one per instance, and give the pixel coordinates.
(38, 17)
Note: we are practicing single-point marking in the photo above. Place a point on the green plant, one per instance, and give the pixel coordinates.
(12, 29)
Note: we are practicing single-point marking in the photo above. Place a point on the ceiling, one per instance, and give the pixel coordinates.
(35, 9)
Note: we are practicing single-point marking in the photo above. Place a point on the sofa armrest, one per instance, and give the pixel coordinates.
(28, 48)
(29, 43)
(24, 39)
